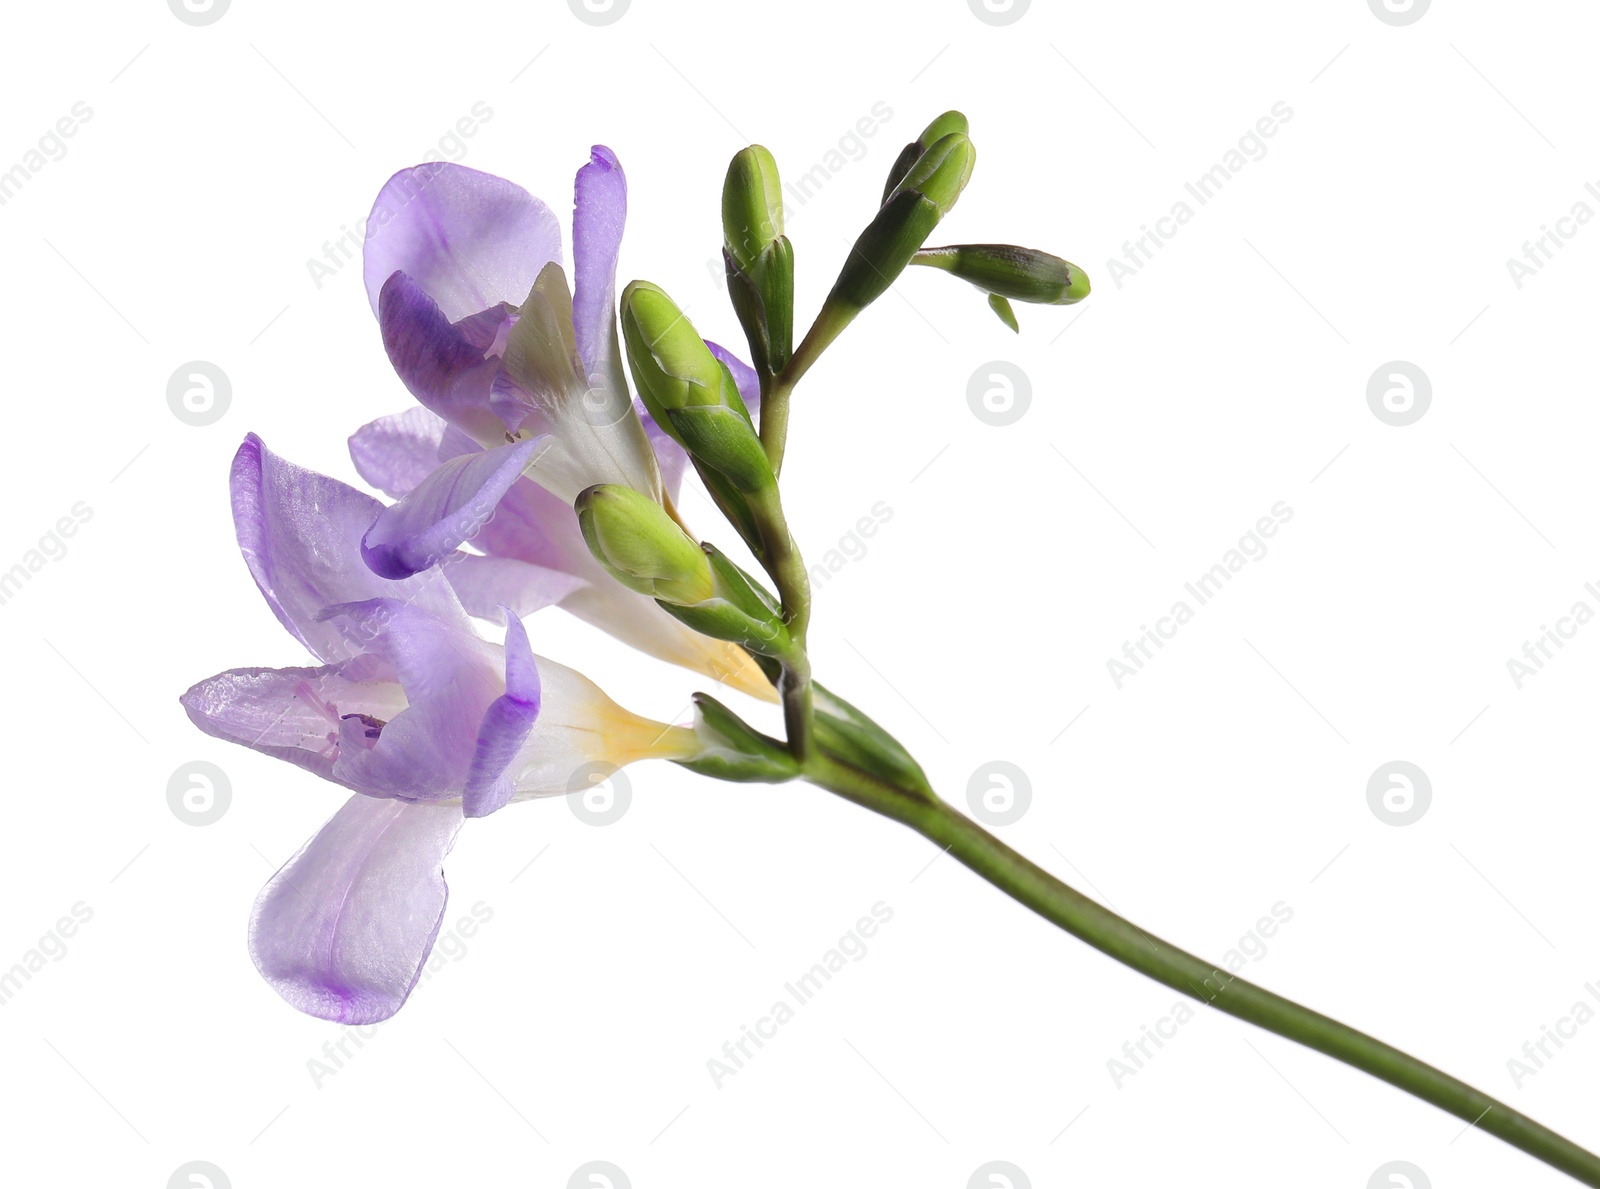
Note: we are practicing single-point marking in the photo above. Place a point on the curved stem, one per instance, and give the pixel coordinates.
(787, 568)
(1035, 888)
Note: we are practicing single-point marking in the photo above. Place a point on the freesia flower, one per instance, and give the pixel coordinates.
(410, 708)
(526, 398)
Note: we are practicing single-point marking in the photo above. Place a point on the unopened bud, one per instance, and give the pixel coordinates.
(641, 546)
(1021, 274)
(752, 205)
(690, 393)
(942, 172)
(923, 197)
(942, 126)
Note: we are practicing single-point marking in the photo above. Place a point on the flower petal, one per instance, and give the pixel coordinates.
(470, 240)
(488, 586)
(600, 209)
(300, 534)
(443, 364)
(397, 452)
(505, 726)
(450, 676)
(294, 714)
(342, 930)
(446, 509)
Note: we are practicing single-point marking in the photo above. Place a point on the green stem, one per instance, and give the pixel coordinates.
(787, 569)
(1035, 888)
(775, 390)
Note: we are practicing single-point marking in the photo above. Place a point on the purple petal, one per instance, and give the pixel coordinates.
(397, 452)
(442, 364)
(505, 727)
(470, 240)
(294, 714)
(423, 752)
(485, 585)
(300, 534)
(600, 209)
(447, 508)
(342, 930)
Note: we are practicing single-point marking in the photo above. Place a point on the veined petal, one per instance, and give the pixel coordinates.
(505, 726)
(342, 930)
(295, 714)
(488, 586)
(300, 534)
(469, 239)
(444, 366)
(397, 452)
(450, 676)
(446, 509)
(600, 209)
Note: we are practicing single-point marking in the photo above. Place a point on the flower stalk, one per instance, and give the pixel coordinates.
(1117, 937)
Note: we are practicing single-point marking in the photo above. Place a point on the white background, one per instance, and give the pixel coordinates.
(1168, 414)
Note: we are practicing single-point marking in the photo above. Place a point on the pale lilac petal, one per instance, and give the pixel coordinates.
(505, 726)
(446, 509)
(442, 364)
(300, 534)
(536, 526)
(600, 209)
(397, 452)
(469, 239)
(449, 678)
(343, 929)
(486, 585)
(295, 714)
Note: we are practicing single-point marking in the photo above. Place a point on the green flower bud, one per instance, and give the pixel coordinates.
(671, 363)
(942, 172)
(942, 126)
(739, 609)
(689, 391)
(641, 546)
(1022, 274)
(752, 206)
(923, 197)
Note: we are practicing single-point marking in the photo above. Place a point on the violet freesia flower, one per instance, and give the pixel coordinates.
(526, 403)
(427, 722)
